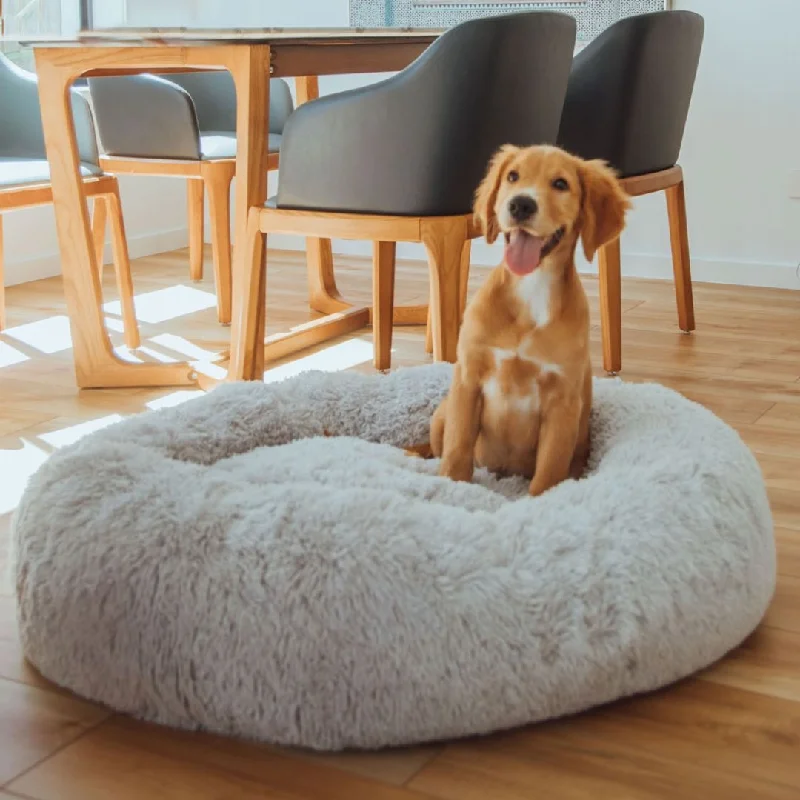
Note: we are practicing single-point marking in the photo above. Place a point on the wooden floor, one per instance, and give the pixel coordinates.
(732, 732)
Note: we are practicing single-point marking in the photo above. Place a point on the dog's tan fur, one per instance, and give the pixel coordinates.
(521, 393)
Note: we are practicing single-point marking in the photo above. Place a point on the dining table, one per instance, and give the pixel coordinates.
(252, 57)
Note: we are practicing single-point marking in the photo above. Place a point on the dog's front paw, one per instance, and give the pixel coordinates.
(460, 470)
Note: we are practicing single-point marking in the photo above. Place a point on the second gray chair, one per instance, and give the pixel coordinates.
(400, 161)
(627, 103)
(184, 125)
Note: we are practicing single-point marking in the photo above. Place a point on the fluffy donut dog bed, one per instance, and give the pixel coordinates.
(223, 565)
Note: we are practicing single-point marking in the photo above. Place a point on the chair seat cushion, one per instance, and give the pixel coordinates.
(223, 145)
(227, 565)
(24, 171)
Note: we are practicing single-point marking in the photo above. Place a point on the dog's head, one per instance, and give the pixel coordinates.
(541, 199)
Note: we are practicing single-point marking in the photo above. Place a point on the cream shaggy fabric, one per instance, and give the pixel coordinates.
(221, 566)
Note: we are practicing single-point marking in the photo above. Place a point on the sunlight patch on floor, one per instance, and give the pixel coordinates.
(133, 356)
(16, 466)
(174, 399)
(178, 344)
(10, 355)
(18, 463)
(336, 358)
(71, 434)
(50, 335)
(165, 304)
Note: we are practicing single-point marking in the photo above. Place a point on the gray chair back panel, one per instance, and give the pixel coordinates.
(163, 116)
(144, 116)
(21, 133)
(214, 98)
(213, 95)
(418, 143)
(630, 90)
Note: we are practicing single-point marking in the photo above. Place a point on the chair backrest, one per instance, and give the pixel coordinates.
(419, 142)
(214, 98)
(164, 116)
(21, 133)
(630, 89)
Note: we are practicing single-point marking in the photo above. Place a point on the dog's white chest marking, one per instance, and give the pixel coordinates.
(534, 291)
(502, 354)
(521, 402)
(502, 403)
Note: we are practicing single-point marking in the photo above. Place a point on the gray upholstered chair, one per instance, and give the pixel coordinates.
(627, 103)
(400, 160)
(184, 124)
(25, 177)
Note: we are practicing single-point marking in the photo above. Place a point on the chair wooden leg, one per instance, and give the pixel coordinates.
(444, 243)
(248, 359)
(122, 270)
(2, 281)
(194, 196)
(611, 305)
(466, 255)
(218, 183)
(463, 290)
(99, 218)
(429, 333)
(679, 238)
(323, 294)
(383, 263)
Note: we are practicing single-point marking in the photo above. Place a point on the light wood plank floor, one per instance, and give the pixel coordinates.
(732, 732)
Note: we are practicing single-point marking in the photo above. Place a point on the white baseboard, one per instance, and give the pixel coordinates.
(639, 265)
(705, 270)
(34, 269)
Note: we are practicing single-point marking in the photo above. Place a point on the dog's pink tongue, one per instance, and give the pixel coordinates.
(523, 252)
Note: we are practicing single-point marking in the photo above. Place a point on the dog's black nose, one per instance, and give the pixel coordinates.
(522, 207)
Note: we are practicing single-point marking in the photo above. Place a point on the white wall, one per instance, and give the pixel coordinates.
(742, 140)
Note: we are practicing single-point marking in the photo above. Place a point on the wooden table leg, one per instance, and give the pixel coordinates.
(95, 362)
(250, 72)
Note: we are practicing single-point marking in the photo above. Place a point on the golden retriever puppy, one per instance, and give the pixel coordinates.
(521, 394)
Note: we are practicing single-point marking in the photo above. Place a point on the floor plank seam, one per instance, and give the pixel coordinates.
(85, 732)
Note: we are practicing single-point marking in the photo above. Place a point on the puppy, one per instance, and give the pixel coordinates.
(521, 393)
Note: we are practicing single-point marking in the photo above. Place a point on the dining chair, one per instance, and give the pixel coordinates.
(184, 125)
(25, 179)
(399, 161)
(627, 103)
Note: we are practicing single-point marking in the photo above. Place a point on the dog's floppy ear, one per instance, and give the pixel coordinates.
(603, 207)
(486, 196)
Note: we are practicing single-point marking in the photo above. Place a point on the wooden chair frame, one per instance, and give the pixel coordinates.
(213, 177)
(104, 190)
(669, 181)
(447, 241)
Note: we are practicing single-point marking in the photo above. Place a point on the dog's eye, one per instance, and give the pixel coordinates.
(560, 184)
(513, 176)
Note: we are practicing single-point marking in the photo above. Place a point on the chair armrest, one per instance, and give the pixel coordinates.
(145, 116)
